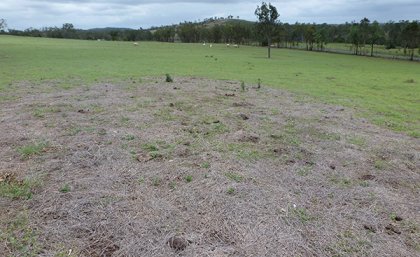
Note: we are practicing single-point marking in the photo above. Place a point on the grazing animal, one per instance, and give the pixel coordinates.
(135, 44)
(236, 46)
(211, 45)
(228, 45)
(204, 44)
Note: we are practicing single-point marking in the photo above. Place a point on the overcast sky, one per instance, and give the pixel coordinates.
(22, 14)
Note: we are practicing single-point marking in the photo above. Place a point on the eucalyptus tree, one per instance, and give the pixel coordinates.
(267, 22)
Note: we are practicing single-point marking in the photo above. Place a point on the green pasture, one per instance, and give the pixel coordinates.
(385, 91)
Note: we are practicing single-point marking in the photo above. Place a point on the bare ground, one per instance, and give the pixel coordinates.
(199, 168)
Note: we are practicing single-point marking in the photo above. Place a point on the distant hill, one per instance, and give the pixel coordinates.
(206, 23)
(211, 23)
(107, 29)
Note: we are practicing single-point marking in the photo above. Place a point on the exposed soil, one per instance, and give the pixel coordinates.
(205, 169)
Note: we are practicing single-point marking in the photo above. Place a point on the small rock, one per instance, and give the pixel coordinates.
(171, 105)
(216, 121)
(332, 166)
(244, 116)
(177, 243)
(176, 88)
(229, 94)
(83, 111)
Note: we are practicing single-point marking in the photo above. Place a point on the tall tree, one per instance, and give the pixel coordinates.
(375, 34)
(354, 37)
(321, 36)
(411, 35)
(267, 22)
(3, 24)
(310, 36)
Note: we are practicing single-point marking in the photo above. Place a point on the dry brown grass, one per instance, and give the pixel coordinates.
(294, 179)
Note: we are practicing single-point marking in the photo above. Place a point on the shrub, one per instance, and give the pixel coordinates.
(169, 78)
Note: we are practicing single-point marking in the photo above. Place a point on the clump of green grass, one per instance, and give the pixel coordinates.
(289, 135)
(302, 214)
(165, 114)
(340, 181)
(380, 164)
(65, 188)
(72, 131)
(304, 171)
(15, 191)
(364, 183)
(230, 191)
(150, 147)
(19, 189)
(96, 108)
(20, 237)
(169, 78)
(102, 132)
(159, 149)
(349, 244)
(356, 140)
(246, 151)
(124, 120)
(155, 155)
(32, 149)
(189, 178)
(234, 176)
(243, 86)
(219, 128)
(128, 137)
(38, 113)
(205, 165)
(156, 181)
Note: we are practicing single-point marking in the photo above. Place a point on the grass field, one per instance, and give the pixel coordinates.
(103, 156)
(385, 91)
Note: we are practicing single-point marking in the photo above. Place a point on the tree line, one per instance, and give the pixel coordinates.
(362, 35)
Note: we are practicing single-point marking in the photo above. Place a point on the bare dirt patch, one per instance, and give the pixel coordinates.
(123, 169)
